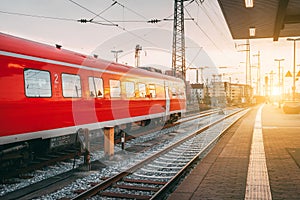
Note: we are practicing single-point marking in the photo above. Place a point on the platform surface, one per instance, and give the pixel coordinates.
(224, 172)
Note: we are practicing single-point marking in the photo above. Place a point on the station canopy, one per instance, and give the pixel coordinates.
(249, 19)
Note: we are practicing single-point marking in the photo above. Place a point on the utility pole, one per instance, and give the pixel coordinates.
(266, 85)
(248, 67)
(258, 74)
(271, 83)
(279, 81)
(201, 71)
(178, 48)
(138, 48)
(116, 53)
(294, 68)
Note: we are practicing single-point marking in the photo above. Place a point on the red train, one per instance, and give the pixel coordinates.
(47, 94)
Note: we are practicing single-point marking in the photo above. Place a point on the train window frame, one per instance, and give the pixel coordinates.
(26, 84)
(151, 90)
(181, 93)
(140, 92)
(129, 88)
(115, 92)
(94, 91)
(63, 81)
(174, 92)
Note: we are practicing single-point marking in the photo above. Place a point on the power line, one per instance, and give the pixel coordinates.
(138, 14)
(212, 21)
(202, 30)
(104, 11)
(213, 8)
(192, 61)
(38, 16)
(216, 23)
(92, 12)
(126, 21)
(111, 23)
(69, 19)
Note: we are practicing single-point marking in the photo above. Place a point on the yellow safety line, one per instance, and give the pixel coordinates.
(258, 186)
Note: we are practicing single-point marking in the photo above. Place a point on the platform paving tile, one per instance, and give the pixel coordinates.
(222, 173)
(281, 133)
(283, 171)
(224, 169)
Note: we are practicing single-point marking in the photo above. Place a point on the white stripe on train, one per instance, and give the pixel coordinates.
(44, 134)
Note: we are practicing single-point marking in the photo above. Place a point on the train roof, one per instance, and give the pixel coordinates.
(18, 45)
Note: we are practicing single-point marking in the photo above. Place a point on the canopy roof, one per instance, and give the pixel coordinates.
(270, 18)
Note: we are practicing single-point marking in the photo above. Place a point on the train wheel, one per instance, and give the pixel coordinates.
(145, 122)
(117, 132)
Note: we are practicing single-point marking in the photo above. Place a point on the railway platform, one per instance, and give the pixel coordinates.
(258, 159)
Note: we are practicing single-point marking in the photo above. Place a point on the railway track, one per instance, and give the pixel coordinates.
(38, 163)
(51, 160)
(152, 128)
(154, 176)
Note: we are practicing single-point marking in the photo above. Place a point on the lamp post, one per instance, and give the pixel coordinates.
(197, 73)
(197, 79)
(138, 48)
(116, 52)
(248, 67)
(279, 82)
(258, 73)
(294, 69)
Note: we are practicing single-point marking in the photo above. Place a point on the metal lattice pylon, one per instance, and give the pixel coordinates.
(178, 52)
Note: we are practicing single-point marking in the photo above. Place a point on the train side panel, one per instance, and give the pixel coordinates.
(41, 97)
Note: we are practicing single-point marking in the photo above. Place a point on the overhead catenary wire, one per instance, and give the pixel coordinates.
(202, 30)
(38, 16)
(108, 22)
(219, 20)
(215, 7)
(74, 2)
(117, 25)
(194, 58)
(131, 10)
(213, 22)
(69, 19)
(103, 11)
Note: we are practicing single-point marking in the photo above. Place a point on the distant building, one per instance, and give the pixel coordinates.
(197, 92)
(239, 93)
(218, 94)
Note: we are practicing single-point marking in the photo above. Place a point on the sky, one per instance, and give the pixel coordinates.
(123, 25)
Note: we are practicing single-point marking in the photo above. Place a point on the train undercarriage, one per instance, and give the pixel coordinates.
(23, 153)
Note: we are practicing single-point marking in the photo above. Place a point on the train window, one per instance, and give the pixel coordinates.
(181, 93)
(152, 91)
(129, 89)
(115, 88)
(37, 83)
(71, 85)
(95, 87)
(142, 89)
(174, 93)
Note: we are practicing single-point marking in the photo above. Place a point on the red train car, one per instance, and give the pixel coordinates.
(47, 92)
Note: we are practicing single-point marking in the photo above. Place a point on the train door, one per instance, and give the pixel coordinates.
(167, 101)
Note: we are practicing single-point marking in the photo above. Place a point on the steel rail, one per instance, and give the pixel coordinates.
(161, 193)
(108, 182)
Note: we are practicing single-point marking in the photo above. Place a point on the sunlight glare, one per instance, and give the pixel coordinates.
(276, 91)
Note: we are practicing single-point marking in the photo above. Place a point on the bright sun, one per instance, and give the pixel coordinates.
(276, 91)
